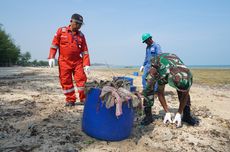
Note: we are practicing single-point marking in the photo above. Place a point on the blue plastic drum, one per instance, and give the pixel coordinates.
(102, 123)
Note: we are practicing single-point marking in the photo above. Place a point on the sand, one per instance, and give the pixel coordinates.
(33, 117)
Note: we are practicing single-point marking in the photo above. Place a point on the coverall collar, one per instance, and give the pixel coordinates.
(69, 29)
(151, 45)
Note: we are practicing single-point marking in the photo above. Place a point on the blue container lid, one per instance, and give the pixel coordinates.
(102, 123)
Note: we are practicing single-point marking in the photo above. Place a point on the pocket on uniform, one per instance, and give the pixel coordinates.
(64, 39)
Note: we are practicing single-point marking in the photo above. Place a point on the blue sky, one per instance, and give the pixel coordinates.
(198, 31)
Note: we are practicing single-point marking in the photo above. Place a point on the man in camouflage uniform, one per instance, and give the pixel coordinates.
(168, 68)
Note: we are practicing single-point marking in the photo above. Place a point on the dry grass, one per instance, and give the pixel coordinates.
(212, 77)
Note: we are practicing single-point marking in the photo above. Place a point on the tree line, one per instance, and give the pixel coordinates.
(11, 55)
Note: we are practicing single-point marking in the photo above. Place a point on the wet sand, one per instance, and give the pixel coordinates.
(33, 117)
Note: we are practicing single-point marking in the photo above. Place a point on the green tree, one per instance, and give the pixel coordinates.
(34, 63)
(24, 59)
(9, 52)
(43, 63)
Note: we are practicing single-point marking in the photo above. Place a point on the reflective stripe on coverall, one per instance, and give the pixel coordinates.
(151, 51)
(73, 56)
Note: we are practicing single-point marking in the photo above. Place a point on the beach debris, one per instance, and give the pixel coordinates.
(114, 93)
(202, 111)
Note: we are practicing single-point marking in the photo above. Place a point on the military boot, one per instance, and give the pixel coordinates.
(148, 116)
(188, 118)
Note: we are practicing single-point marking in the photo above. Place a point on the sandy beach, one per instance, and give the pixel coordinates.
(33, 116)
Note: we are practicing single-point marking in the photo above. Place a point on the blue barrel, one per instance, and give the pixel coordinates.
(102, 123)
(135, 73)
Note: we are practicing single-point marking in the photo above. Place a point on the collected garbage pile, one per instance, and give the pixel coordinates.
(115, 93)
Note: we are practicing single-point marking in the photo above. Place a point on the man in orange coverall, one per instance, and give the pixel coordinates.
(73, 59)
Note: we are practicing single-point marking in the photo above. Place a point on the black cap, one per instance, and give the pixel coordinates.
(77, 18)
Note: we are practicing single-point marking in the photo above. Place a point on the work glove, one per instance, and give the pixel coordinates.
(167, 118)
(177, 120)
(87, 69)
(51, 62)
(142, 68)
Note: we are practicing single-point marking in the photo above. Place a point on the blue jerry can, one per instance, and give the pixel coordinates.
(102, 123)
(135, 73)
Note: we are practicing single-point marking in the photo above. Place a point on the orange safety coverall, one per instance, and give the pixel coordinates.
(73, 56)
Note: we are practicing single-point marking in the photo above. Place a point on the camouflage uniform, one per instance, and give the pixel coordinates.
(169, 69)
